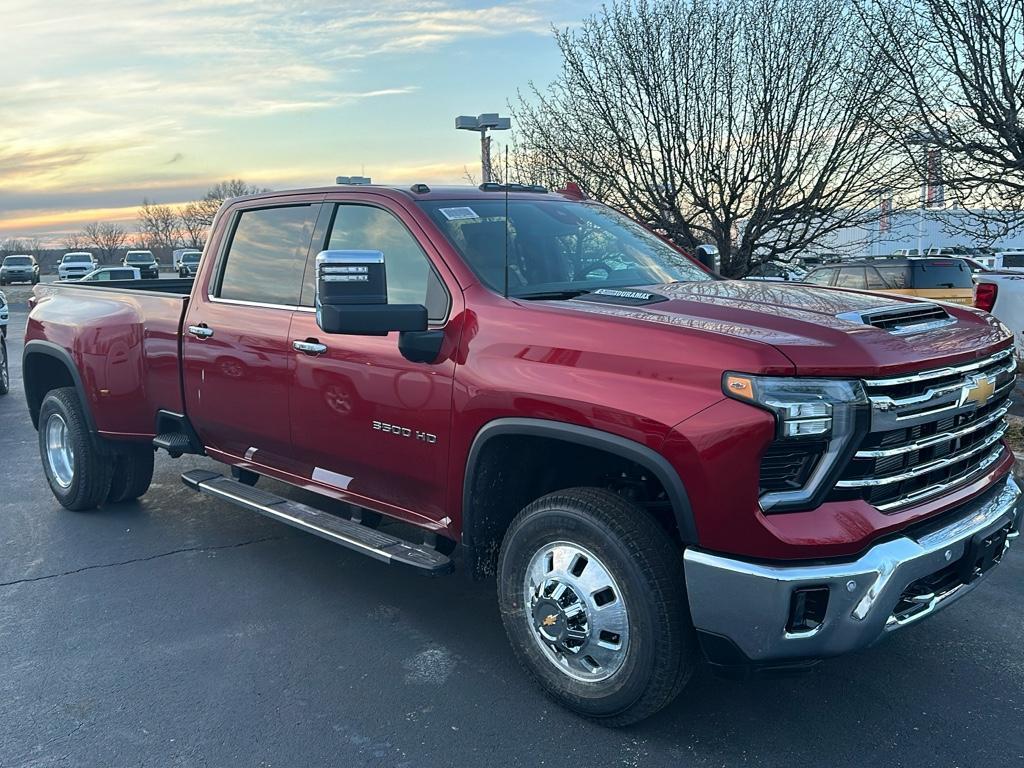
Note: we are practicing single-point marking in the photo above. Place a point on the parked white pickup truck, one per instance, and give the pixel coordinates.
(1002, 294)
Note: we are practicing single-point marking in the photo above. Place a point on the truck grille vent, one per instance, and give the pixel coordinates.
(930, 432)
(787, 466)
(903, 319)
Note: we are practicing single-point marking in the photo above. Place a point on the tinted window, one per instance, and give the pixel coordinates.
(410, 277)
(190, 258)
(76, 258)
(820, 277)
(267, 255)
(895, 277)
(557, 246)
(942, 273)
(18, 261)
(851, 277)
(1013, 261)
(875, 281)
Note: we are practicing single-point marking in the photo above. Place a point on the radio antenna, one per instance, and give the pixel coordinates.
(506, 220)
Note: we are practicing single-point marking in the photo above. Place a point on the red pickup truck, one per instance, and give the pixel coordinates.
(657, 464)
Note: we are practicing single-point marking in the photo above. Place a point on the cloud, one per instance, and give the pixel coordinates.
(116, 97)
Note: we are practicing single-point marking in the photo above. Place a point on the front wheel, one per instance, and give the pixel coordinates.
(78, 471)
(593, 601)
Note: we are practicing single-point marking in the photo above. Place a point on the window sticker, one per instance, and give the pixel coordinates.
(462, 212)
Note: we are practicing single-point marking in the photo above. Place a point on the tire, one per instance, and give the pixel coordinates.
(83, 481)
(5, 371)
(133, 472)
(627, 558)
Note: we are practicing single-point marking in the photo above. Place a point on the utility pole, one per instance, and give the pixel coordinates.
(489, 121)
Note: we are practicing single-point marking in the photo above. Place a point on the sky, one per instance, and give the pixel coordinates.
(106, 102)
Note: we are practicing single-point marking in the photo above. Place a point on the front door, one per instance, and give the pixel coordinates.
(368, 425)
(236, 349)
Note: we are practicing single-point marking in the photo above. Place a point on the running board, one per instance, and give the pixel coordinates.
(367, 541)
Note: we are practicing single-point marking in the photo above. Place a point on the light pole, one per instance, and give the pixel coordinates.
(489, 121)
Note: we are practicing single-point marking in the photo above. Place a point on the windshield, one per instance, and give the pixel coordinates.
(190, 258)
(76, 257)
(139, 258)
(557, 246)
(18, 261)
(942, 273)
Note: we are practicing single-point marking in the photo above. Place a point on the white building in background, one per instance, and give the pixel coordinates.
(922, 228)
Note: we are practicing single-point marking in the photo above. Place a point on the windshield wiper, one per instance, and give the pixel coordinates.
(540, 295)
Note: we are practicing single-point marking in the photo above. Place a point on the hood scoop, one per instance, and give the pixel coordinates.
(902, 319)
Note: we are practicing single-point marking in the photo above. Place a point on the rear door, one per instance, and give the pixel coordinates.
(236, 350)
(367, 424)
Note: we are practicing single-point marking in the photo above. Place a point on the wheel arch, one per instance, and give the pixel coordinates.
(46, 366)
(482, 531)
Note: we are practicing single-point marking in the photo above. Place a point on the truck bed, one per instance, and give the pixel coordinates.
(125, 341)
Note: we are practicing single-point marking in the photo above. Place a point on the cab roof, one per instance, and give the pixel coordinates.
(420, 191)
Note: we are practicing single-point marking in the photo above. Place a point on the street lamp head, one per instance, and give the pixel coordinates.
(489, 121)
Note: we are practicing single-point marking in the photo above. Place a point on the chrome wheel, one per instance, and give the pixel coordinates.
(60, 456)
(576, 612)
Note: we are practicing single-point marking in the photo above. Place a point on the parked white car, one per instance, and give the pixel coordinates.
(76, 264)
(1002, 294)
(106, 274)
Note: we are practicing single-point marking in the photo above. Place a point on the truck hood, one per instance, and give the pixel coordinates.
(807, 324)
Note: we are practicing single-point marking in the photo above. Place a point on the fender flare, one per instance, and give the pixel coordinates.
(38, 347)
(640, 454)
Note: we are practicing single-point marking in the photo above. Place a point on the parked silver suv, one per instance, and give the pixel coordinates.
(19, 268)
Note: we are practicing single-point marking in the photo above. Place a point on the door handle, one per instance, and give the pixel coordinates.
(309, 347)
(200, 331)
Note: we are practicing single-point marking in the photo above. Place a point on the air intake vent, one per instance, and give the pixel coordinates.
(902, 318)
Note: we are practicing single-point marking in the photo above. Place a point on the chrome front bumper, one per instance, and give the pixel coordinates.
(749, 605)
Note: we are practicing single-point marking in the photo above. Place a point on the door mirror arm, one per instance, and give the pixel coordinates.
(421, 346)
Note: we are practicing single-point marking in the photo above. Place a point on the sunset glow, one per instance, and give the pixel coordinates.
(106, 103)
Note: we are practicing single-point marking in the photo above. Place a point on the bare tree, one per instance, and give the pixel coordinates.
(207, 208)
(34, 246)
(158, 226)
(74, 241)
(960, 66)
(194, 226)
(11, 245)
(749, 123)
(106, 239)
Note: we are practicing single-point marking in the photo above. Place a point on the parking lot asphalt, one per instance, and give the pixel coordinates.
(182, 631)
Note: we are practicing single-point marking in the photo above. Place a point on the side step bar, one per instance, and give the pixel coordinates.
(380, 546)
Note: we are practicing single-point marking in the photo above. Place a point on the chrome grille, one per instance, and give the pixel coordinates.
(930, 431)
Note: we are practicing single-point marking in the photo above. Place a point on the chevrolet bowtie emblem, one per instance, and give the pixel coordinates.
(978, 391)
(550, 619)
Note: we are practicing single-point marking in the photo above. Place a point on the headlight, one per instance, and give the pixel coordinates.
(817, 423)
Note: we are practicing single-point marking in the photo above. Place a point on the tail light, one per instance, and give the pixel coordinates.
(985, 296)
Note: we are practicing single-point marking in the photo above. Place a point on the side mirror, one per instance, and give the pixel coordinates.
(352, 296)
(708, 256)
